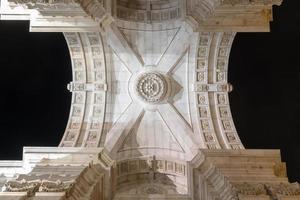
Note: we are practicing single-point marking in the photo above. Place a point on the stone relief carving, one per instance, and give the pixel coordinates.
(152, 189)
(274, 190)
(213, 87)
(250, 189)
(37, 186)
(151, 87)
(283, 189)
(202, 87)
(140, 166)
(55, 186)
(150, 12)
(247, 2)
(48, 4)
(23, 186)
(81, 87)
(88, 85)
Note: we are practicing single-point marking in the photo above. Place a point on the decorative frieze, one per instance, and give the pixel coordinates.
(22, 186)
(255, 189)
(202, 57)
(283, 189)
(86, 87)
(273, 191)
(252, 2)
(31, 187)
(142, 166)
(46, 5)
(56, 186)
(202, 87)
(76, 181)
(150, 12)
(223, 119)
(213, 87)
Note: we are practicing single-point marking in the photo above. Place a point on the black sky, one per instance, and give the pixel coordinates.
(35, 70)
(264, 69)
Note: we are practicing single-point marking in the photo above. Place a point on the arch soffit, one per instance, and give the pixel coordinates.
(207, 123)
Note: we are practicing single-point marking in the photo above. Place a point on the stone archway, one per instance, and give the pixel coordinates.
(150, 101)
(208, 95)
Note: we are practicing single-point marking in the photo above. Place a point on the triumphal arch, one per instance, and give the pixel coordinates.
(150, 115)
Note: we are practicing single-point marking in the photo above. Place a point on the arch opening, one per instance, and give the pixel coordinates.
(263, 100)
(35, 102)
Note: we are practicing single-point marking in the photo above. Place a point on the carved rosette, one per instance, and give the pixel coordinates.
(151, 87)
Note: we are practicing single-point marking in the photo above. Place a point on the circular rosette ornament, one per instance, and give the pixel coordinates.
(151, 87)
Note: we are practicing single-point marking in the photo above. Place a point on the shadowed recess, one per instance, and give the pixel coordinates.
(34, 104)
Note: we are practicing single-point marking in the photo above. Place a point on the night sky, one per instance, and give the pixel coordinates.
(264, 69)
(35, 103)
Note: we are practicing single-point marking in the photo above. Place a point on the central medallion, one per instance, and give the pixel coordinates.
(151, 87)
